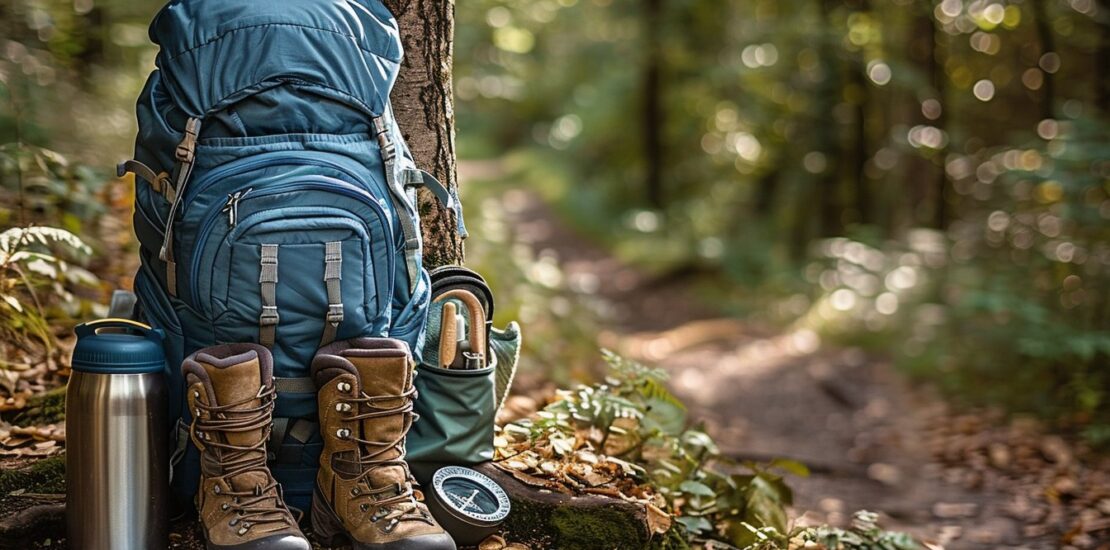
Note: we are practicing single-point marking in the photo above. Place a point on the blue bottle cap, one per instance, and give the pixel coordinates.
(130, 348)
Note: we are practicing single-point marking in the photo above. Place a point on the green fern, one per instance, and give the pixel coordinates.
(34, 278)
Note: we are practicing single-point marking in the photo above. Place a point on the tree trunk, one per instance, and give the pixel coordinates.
(653, 104)
(424, 106)
(1102, 62)
(1048, 45)
(827, 128)
(861, 148)
(935, 66)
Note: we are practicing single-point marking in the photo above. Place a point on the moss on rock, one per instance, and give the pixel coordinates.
(44, 408)
(543, 519)
(44, 476)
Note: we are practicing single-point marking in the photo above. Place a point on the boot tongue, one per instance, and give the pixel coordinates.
(383, 373)
(236, 383)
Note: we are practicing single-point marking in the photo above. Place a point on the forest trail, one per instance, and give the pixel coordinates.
(855, 422)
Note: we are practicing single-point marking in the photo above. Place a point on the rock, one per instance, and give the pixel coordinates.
(545, 519)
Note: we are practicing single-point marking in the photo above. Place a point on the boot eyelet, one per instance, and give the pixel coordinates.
(196, 394)
(233, 522)
(355, 492)
(243, 530)
(364, 507)
(342, 433)
(224, 506)
(216, 489)
(342, 407)
(343, 387)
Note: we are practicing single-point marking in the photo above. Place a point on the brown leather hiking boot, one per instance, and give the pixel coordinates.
(231, 396)
(364, 489)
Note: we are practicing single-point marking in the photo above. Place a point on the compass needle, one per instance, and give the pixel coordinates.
(470, 502)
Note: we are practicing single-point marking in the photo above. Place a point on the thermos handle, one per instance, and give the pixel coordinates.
(90, 328)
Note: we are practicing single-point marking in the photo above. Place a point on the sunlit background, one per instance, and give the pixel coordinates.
(924, 184)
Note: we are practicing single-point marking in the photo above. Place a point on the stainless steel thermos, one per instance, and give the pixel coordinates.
(116, 449)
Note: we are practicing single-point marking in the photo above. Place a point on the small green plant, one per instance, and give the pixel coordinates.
(36, 286)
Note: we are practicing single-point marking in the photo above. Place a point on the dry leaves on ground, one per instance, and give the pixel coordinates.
(571, 466)
(1059, 487)
(32, 441)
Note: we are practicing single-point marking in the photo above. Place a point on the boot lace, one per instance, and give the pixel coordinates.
(263, 504)
(397, 501)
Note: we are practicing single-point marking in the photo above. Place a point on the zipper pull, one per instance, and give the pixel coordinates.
(232, 206)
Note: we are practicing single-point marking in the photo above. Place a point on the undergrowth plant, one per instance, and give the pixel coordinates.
(718, 502)
(36, 286)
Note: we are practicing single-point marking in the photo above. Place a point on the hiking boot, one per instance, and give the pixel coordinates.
(364, 491)
(231, 396)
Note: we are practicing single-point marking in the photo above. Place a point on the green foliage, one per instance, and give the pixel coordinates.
(41, 186)
(864, 534)
(1008, 306)
(719, 503)
(789, 127)
(35, 285)
(632, 416)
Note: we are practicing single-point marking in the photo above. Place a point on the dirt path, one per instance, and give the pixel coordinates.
(854, 421)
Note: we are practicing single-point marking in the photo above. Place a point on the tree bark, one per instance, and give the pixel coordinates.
(653, 104)
(424, 107)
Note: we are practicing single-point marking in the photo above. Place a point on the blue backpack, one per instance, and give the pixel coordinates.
(275, 200)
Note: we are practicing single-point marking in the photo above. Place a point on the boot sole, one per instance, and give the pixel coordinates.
(329, 532)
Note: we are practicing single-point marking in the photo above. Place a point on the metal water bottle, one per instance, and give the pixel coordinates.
(116, 450)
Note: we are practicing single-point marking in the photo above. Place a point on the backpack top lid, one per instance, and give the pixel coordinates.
(216, 52)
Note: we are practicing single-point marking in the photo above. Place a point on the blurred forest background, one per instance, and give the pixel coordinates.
(925, 180)
(929, 179)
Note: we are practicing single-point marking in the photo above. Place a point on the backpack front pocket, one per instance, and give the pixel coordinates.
(285, 277)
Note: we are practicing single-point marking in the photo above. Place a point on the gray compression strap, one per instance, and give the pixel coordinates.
(185, 155)
(294, 385)
(415, 177)
(267, 279)
(333, 273)
(401, 202)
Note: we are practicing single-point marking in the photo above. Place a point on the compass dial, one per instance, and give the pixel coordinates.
(467, 503)
(471, 494)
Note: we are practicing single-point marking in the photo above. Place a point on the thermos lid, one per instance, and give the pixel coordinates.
(118, 346)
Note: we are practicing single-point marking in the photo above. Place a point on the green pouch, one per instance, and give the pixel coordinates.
(457, 408)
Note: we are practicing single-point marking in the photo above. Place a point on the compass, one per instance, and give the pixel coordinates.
(467, 503)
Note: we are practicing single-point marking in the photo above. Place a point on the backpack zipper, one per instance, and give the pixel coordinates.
(232, 206)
